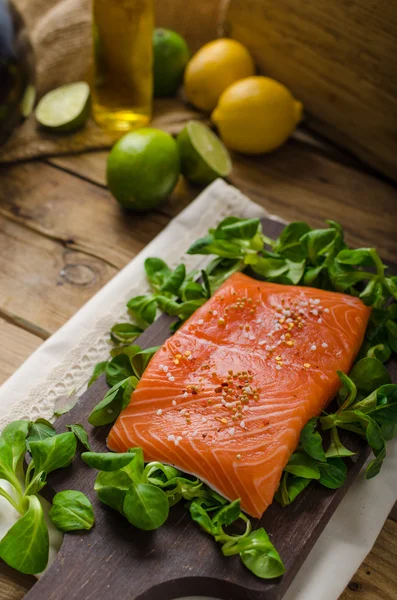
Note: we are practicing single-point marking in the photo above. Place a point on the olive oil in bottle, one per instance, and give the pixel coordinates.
(123, 55)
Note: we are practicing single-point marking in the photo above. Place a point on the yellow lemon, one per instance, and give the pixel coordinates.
(214, 68)
(256, 115)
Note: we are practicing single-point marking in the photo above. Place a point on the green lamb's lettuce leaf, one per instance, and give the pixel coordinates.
(99, 369)
(81, 435)
(336, 448)
(143, 308)
(333, 473)
(146, 506)
(311, 441)
(157, 272)
(107, 461)
(118, 369)
(15, 435)
(25, 546)
(290, 487)
(112, 488)
(72, 511)
(141, 359)
(124, 333)
(369, 374)
(53, 452)
(289, 244)
(174, 280)
(303, 465)
(115, 399)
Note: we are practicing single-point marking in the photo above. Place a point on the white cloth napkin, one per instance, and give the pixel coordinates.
(64, 363)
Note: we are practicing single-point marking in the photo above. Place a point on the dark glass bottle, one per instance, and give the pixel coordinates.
(16, 69)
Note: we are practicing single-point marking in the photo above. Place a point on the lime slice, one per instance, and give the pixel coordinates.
(28, 100)
(66, 108)
(203, 155)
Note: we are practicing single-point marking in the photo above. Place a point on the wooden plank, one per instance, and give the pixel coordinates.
(14, 585)
(43, 282)
(82, 216)
(296, 183)
(376, 579)
(338, 58)
(16, 346)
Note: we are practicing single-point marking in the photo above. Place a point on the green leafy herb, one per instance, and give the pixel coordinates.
(40, 430)
(115, 399)
(174, 280)
(53, 452)
(107, 461)
(157, 272)
(260, 556)
(333, 473)
(144, 308)
(144, 494)
(124, 333)
(254, 547)
(369, 374)
(290, 487)
(80, 434)
(99, 369)
(336, 448)
(118, 369)
(15, 435)
(72, 511)
(311, 441)
(303, 465)
(141, 359)
(146, 506)
(112, 488)
(25, 546)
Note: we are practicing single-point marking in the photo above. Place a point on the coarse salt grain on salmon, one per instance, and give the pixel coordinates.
(226, 397)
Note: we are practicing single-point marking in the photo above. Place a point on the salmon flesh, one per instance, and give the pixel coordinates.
(226, 397)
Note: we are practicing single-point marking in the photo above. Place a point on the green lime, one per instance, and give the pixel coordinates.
(203, 155)
(143, 168)
(171, 56)
(66, 108)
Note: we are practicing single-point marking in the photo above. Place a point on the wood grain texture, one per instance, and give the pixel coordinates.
(92, 167)
(203, 569)
(338, 58)
(17, 345)
(296, 182)
(14, 585)
(75, 213)
(43, 282)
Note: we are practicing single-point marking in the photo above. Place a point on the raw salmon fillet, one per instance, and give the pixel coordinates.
(226, 397)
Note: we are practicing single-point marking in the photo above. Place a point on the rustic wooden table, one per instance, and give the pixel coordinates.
(62, 237)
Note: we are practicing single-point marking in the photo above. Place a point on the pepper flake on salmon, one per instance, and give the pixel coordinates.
(226, 397)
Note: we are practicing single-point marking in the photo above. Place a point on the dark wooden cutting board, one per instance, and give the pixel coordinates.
(116, 560)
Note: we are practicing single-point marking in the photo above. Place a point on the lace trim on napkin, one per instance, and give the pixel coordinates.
(73, 370)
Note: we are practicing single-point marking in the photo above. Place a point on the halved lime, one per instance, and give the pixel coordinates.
(203, 155)
(66, 108)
